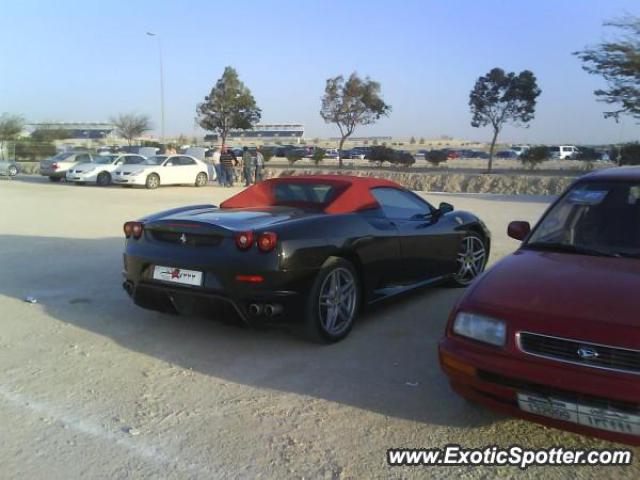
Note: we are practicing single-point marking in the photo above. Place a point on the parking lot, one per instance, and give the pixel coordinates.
(95, 387)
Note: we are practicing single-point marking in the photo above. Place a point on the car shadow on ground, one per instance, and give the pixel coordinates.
(387, 365)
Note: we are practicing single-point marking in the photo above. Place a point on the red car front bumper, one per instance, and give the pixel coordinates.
(495, 377)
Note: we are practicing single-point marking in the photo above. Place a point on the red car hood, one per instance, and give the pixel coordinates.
(594, 298)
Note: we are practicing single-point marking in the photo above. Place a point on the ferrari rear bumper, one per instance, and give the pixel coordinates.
(251, 306)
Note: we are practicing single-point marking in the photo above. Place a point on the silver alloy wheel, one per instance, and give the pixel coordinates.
(338, 301)
(153, 181)
(13, 171)
(471, 259)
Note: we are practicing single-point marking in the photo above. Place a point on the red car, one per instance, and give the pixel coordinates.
(551, 333)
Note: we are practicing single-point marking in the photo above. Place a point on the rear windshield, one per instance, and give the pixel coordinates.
(311, 194)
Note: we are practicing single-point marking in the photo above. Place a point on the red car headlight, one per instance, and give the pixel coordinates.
(481, 328)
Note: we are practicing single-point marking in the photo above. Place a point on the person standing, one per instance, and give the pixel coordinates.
(218, 166)
(247, 166)
(227, 161)
(259, 165)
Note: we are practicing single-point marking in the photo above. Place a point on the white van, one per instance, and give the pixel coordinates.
(564, 152)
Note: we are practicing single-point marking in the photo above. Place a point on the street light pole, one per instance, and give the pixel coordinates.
(151, 34)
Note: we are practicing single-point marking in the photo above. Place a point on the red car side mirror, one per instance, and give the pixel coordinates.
(519, 230)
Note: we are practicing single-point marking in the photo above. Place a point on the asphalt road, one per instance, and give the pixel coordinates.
(93, 387)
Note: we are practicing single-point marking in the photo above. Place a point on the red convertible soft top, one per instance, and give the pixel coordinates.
(349, 193)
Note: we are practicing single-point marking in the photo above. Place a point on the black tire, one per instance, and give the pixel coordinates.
(103, 179)
(13, 171)
(54, 179)
(465, 275)
(201, 179)
(153, 181)
(316, 315)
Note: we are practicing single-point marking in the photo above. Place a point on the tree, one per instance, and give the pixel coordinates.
(412, 141)
(350, 104)
(229, 105)
(618, 62)
(10, 128)
(131, 126)
(421, 142)
(499, 98)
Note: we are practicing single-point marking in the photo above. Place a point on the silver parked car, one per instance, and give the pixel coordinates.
(8, 167)
(56, 167)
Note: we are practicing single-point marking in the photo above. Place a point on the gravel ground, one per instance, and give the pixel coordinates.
(94, 387)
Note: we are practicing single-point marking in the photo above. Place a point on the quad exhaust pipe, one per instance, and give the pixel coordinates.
(268, 310)
(272, 310)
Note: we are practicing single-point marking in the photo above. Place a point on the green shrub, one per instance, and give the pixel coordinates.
(534, 156)
(318, 155)
(32, 151)
(588, 154)
(381, 153)
(293, 157)
(403, 159)
(629, 154)
(436, 157)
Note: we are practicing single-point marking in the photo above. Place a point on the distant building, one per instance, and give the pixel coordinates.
(264, 133)
(79, 130)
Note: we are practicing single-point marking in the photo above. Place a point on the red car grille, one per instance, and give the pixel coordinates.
(189, 239)
(580, 353)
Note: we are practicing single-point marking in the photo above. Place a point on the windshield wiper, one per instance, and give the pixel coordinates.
(568, 248)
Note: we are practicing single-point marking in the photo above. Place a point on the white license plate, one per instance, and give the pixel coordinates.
(177, 275)
(591, 416)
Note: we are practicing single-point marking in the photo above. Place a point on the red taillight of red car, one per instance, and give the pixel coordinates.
(133, 229)
(54, 166)
(244, 240)
(267, 241)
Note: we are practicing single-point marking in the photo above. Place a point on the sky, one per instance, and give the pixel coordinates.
(89, 61)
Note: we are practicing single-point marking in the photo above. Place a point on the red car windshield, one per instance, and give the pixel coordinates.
(593, 219)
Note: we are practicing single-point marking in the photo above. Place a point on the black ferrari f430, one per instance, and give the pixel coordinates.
(308, 249)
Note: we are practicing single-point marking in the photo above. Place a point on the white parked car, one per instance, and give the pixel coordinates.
(100, 171)
(164, 170)
(520, 149)
(564, 152)
(56, 167)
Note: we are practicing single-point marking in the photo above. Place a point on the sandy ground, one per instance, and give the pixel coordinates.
(93, 387)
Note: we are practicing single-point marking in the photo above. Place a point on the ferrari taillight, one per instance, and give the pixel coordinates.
(244, 240)
(267, 241)
(54, 166)
(133, 229)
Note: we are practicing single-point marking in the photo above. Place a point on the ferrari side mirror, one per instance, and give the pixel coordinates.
(445, 207)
